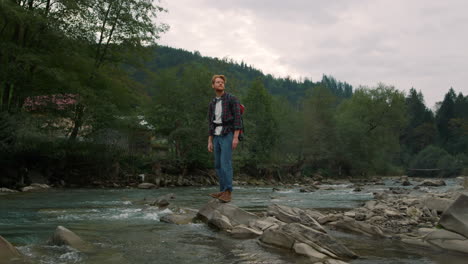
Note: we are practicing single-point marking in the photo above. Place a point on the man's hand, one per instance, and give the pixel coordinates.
(235, 139)
(210, 146)
(235, 142)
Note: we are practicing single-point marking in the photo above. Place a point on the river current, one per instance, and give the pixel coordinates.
(124, 230)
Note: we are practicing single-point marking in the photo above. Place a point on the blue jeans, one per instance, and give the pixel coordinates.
(223, 160)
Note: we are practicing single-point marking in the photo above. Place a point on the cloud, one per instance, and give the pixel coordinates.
(419, 43)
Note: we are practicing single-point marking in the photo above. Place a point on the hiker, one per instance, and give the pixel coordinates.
(224, 119)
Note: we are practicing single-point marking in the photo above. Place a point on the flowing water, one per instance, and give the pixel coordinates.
(123, 230)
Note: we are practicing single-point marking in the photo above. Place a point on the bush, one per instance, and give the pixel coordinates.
(449, 166)
(435, 162)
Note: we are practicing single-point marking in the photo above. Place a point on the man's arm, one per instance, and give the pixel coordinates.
(235, 139)
(210, 136)
(237, 121)
(210, 143)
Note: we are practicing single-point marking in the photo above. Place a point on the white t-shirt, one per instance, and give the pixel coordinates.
(218, 119)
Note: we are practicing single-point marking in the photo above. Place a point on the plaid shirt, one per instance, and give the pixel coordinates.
(231, 116)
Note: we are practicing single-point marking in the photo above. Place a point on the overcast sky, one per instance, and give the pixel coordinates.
(405, 43)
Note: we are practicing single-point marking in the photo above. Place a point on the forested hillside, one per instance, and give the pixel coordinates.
(83, 97)
(319, 126)
(241, 73)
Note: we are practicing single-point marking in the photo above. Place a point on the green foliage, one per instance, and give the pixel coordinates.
(428, 158)
(76, 47)
(288, 148)
(435, 161)
(95, 51)
(260, 124)
(369, 126)
(452, 123)
(319, 127)
(241, 75)
(179, 111)
(420, 130)
(7, 132)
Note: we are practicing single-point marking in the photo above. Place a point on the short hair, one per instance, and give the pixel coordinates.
(218, 76)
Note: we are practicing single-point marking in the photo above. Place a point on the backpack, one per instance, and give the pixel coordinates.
(241, 132)
(242, 109)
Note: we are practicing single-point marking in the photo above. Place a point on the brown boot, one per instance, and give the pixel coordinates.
(225, 197)
(216, 195)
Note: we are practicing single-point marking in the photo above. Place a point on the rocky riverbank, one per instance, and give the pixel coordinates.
(422, 213)
(419, 216)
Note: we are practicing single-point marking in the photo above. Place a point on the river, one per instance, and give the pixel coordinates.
(125, 231)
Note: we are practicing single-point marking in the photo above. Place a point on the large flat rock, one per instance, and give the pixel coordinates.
(358, 227)
(288, 214)
(436, 203)
(7, 251)
(288, 235)
(214, 209)
(447, 240)
(455, 218)
(63, 236)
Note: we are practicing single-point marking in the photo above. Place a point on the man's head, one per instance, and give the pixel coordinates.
(218, 82)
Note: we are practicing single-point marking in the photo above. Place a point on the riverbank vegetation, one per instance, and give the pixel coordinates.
(87, 95)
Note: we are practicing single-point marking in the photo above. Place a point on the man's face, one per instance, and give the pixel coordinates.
(218, 85)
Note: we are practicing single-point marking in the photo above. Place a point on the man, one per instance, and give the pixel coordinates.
(224, 122)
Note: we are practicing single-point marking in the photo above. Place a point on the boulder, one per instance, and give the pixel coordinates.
(35, 187)
(440, 239)
(380, 195)
(317, 177)
(334, 261)
(398, 190)
(308, 189)
(288, 214)
(370, 204)
(314, 213)
(220, 221)
(304, 249)
(406, 183)
(409, 201)
(433, 183)
(447, 240)
(288, 235)
(265, 223)
(234, 214)
(7, 251)
(243, 231)
(391, 213)
(275, 237)
(350, 214)
(360, 216)
(425, 231)
(63, 236)
(352, 225)
(146, 185)
(329, 218)
(436, 203)
(284, 213)
(414, 212)
(6, 190)
(179, 219)
(161, 201)
(455, 218)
